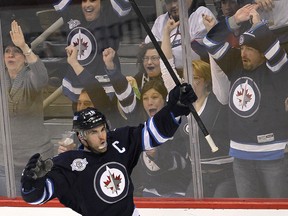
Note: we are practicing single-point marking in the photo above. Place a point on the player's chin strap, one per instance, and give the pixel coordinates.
(201, 125)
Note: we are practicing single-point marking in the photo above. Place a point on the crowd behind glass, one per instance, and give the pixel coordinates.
(44, 92)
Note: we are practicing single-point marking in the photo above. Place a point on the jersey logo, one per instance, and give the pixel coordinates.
(86, 44)
(176, 43)
(79, 164)
(244, 97)
(150, 164)
(111, 182)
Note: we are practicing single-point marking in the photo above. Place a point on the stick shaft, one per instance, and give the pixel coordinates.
(171, 72)
(154, 41)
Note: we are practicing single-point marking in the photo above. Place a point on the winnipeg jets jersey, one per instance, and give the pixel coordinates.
(257, 115)
(91, 38)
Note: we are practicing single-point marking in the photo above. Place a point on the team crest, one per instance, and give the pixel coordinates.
(150, 164)
(241, 40)
(79, 164)
(86, 44)
(244, 97)
(111, 182)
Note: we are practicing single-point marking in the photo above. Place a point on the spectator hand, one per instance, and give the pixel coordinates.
(254, 15)
(243, 14)
(179, 99)
(170, 25)
(132, 81)
(108, 56)
(17, 35)
(266, 5)
(72, 54)
(208, 21)
(72, 59)
(63, 148)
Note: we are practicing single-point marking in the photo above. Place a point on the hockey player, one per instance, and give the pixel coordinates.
(96, 181)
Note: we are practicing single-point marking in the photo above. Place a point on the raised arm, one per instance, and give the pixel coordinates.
(167, 50)
(18, 40)
(220, 82)
(38, 75)
(268, 43)
(208, 21)
(166, 43)
(72, 53)
(241, 15)
(123, 89)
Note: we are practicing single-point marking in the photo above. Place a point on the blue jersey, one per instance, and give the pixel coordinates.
(100, 184)
(92, 38)
(257, 116)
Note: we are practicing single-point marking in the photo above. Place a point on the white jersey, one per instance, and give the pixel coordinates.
(277, 18)
(196, 29)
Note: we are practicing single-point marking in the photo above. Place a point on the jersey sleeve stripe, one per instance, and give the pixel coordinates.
(47, 193)
(273, 50)
(155, 133)
(121, 7)
(126, 93)
(61, 5)
(278, 66)
(146, 138)
(129, 108)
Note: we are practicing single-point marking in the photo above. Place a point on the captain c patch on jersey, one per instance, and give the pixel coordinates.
(111, 182)
(244, 97)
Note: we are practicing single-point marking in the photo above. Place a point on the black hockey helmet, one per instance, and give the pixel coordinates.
(88, 118)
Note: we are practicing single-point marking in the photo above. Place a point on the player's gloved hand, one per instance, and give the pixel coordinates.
(35, 169)
(179, 99)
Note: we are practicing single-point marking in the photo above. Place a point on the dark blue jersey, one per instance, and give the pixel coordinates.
(92, 38)
(257, 115)
(100, 184)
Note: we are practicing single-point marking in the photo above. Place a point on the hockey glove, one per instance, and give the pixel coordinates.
(179, 99)
(35, 169)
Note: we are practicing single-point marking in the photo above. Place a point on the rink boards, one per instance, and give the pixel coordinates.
(163, 207)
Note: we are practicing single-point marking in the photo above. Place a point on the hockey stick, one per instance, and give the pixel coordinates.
(201, 125)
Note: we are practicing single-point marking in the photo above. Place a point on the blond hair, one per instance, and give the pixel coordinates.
(203, 70)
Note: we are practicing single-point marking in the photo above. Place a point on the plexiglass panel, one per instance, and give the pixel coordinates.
(56, 62)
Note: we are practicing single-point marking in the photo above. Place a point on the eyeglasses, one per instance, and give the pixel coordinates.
(152, 58)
